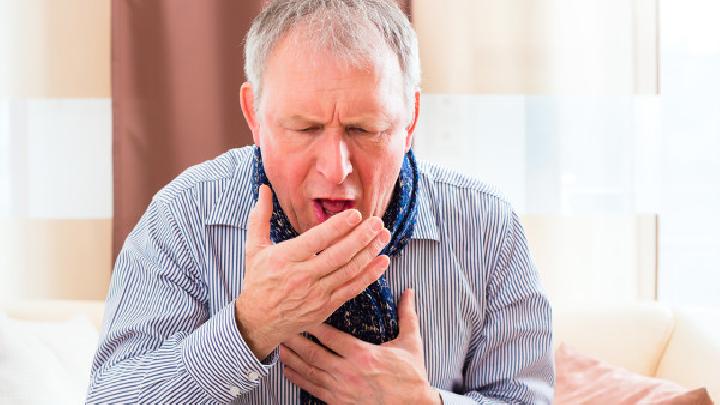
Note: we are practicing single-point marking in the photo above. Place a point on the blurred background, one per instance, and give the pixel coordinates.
(599, 119)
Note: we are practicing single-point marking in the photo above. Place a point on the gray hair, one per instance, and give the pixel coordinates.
(350, 29)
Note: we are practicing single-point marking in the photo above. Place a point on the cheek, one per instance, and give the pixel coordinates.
(285, 172)
(281, 162)
(380, 174)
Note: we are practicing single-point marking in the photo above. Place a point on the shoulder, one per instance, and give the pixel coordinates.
(214, 173)
(475, 220)
(180, 209)
(463, 198)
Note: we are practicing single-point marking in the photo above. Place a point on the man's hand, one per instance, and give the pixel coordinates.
(362, 373)
(290, 286)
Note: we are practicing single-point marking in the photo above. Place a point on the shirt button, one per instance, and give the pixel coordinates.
(234, 391)
(253, 376)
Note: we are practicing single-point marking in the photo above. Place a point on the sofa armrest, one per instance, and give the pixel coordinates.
(630, 335)
(692, 358)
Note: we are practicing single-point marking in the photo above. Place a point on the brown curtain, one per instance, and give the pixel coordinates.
(177, 67)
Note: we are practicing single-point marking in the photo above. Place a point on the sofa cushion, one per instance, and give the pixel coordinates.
(45, 362)
(582, 379)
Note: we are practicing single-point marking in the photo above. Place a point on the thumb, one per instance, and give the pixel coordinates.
(408, 320)
(258, 233)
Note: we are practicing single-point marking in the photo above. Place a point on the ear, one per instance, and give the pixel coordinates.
(247, 103)
(411, 127)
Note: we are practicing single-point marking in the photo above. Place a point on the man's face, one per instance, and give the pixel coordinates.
(333, 137)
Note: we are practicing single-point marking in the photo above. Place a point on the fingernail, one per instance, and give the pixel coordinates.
(353, 217)
(376, 224)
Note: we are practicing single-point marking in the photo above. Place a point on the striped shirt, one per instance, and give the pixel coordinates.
(170, 335)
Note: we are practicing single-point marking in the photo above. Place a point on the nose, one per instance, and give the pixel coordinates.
(333, 157)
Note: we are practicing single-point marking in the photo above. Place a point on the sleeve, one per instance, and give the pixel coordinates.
(158, 343)
(513, 357)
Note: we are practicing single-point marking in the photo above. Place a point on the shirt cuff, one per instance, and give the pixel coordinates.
(451, 398)
(219, 359)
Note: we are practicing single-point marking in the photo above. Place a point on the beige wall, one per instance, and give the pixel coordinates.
(538, 46)
(595, 258)
(55, 48)
(482, 46)
(58, 259)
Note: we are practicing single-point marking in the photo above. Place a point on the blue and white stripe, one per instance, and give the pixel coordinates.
(170, 335)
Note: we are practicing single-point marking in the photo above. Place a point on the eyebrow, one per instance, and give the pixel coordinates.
(298, 119)
(356, 121)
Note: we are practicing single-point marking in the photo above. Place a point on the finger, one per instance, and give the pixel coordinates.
(336, 340)
(258, 233)
(342, 252)
(408, 320)
(310, 372)
(357, 263)
(319, 237)
(350, 289)
(302, 382)
(313, 354)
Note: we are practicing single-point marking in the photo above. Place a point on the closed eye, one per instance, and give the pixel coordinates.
(358, 130)
(308, 129)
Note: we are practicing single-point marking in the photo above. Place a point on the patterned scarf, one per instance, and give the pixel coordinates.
(372, 315)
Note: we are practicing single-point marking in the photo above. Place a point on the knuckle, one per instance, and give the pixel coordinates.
(302, 243)
(342, 274)
(313, 373)
(351, 270)
(370, 254)
(355, 266)
(323, 291)
(369, 233)
(331, 260)
(313, 356)
(319, 305)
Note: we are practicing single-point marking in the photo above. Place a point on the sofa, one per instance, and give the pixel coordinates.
(678, 344)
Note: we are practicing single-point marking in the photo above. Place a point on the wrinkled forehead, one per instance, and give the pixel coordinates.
(298, 69)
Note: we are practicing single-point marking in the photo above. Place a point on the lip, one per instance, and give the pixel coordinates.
(321, 215)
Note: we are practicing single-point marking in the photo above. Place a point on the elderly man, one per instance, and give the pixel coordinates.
(271, 274)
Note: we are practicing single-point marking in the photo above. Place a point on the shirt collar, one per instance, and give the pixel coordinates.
(233, 207)
(425, 225)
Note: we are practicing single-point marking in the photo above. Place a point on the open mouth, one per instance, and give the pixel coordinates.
(326, 207)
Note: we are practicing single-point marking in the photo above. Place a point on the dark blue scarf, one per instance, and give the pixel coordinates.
(372, 314)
